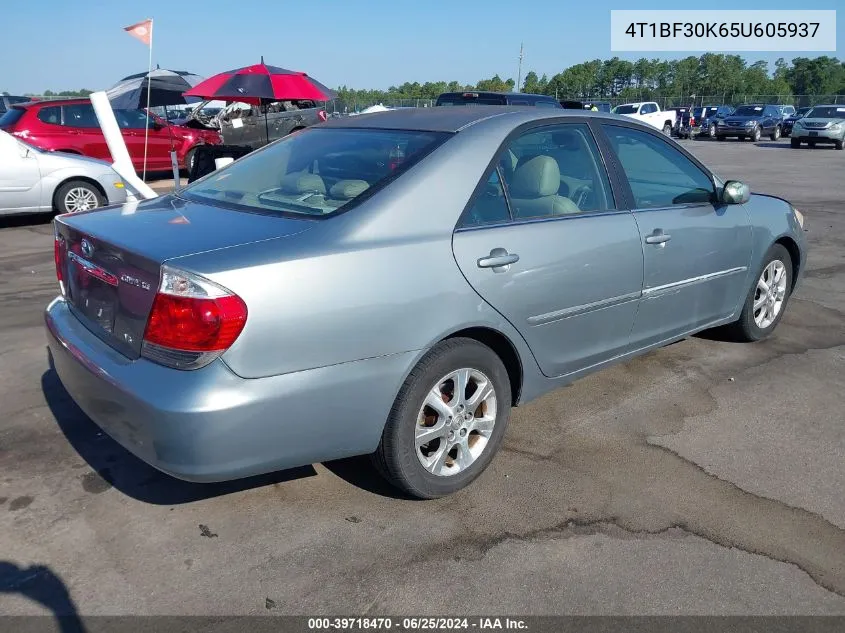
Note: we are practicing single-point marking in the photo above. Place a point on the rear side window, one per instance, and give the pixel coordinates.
(9, 118)
(315, 172)
(51, 115)
(80, 115)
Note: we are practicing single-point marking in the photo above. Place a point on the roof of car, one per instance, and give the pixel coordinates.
(439, 119)
(51, 102)
(493, 92)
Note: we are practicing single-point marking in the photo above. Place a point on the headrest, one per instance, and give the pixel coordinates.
(348, 189)
(537, 178)
(303, 182)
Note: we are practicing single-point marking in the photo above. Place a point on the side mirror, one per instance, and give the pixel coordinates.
(735, 192)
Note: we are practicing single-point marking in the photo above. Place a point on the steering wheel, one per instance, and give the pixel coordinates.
(582, 196)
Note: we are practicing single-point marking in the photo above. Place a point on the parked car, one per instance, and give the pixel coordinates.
(601, 106)
(71, 126)
(649, 112)
(752, 122)
(34, 181)
(682, 117)
(243, 124)
(496, 98)
(790, 121)
(701, 121)
(786, 111)
(7, 101)
(323, 298)
(822, 124)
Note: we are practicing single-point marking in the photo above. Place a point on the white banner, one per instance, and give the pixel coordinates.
(723, 31)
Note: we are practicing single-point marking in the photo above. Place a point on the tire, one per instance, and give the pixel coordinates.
(748, 328)
(667, 129)
(711, 131)
(756, 134)
(77, 195)
(794, 143)
(189, 159)
(839, 144)
(775, 135)
(400, 460)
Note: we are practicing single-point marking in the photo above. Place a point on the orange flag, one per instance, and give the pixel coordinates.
(142, 31)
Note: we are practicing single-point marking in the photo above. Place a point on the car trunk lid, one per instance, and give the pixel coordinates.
(109, 260)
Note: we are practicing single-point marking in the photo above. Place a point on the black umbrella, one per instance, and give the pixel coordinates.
(151, 89)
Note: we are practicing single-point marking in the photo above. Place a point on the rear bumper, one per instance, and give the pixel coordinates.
(211, 425)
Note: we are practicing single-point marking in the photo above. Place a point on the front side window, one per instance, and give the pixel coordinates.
(554, 171)
(749, 111)
(133, 119)
(659, 174)
(315, 172)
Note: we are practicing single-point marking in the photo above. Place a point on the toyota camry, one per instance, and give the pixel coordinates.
(393, 284)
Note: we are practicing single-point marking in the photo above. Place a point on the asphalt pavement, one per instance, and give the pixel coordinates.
(703, 478)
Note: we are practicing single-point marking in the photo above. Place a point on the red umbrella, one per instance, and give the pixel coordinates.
(261, 84)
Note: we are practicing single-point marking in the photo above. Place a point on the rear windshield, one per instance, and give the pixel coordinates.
(471, 99)
(11, 116)
(315, 172)
(827, 112)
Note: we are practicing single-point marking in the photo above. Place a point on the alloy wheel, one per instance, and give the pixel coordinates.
(770, 294)
(80, 199)
(455, 422)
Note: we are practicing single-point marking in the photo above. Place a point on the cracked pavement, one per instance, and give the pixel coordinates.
(703, 478)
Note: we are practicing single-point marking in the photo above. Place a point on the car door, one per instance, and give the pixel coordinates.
(696, 252)
(83, 131)
(543, 242)
(134, 127)
(20, 177)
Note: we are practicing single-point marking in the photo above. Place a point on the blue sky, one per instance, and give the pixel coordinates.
(60, 45)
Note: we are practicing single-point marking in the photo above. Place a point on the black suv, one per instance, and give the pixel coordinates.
(702, 121)
(751, 121)
(496, 98)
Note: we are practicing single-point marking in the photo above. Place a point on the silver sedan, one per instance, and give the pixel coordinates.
(392, 284)
(33, 180)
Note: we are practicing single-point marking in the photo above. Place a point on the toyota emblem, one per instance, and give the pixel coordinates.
(87, 248)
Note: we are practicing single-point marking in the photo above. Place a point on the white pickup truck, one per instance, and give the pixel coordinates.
(649, 112)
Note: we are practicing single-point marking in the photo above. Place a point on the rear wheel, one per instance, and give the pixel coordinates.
(767, 298)
(667, 129)
(77, 195)
(448, 420)
(775, 134)
(794, 142)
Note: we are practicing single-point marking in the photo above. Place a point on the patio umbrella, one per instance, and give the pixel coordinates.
(164, 88)
(259, 84)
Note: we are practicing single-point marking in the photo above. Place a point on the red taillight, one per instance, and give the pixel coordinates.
(58, 244)
(192, 321)
(195, 325)
(322, 115)
(692, 121)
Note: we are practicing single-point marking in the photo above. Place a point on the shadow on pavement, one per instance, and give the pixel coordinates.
(361, 473)
(114, 466)
(40, 584)
(25, 219)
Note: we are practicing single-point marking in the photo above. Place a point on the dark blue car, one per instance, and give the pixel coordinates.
(752, 122)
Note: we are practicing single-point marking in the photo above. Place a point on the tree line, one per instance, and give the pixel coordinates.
(710, 74)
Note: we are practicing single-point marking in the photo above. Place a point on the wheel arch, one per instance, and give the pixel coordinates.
(794, 254)
(84, 179)
(504, 348)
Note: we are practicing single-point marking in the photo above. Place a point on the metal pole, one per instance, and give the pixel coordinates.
(147, 111)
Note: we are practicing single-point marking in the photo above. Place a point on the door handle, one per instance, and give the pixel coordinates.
(499, 260)
(658, 237)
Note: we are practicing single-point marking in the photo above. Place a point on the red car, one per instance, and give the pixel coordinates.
(71, 126)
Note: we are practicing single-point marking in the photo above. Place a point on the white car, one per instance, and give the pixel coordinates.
(33, 180)
(649, 112)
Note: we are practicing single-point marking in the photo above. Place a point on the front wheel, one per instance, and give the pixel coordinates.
(77, 195)
(839, 144)
(775, 134)
(711, 131)
(448, 420)
(755, 136)
(766, 300)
